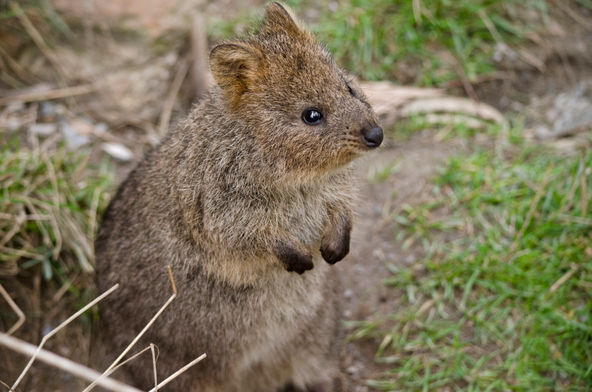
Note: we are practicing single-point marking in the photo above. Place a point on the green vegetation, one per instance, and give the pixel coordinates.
(503, 299)
(50, 199)
(427, 42)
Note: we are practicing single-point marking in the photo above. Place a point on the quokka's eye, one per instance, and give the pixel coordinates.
(312, 116)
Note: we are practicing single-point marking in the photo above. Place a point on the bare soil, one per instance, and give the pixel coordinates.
(373, 240)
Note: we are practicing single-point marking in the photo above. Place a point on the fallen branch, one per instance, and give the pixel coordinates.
(44, 95)
(393, 102)
(169, 102)
(178, 372)
(139, 335)
(57, 329)
(581, 128)
(62, 363)
(199, 57)
(453, 105)
(564, 278)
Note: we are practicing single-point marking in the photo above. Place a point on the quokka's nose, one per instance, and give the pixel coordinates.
(372, 136)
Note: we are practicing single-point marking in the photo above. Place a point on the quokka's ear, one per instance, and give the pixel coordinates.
(234, 67)
(279, 18)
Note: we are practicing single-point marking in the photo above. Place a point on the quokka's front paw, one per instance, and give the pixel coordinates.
(335, 242)
(334, 251)
(293, 259)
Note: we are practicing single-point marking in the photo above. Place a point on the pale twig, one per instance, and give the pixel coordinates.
(57, 329)
(142, 332)
(33, 96)
(564, 278)
(453, 105)
(136, 355)
(16, 309)
(62, 363)
(169, 102)
(199, 56)
(178, 373)
(154, 366)
(173, 285)
(530, 214)
(138, 336)
(491, 27)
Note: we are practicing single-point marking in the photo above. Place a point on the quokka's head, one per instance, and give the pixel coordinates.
(305, 111)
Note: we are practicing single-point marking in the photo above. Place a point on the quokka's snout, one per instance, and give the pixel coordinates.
(372, 136)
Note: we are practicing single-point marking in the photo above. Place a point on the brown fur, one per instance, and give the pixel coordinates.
(234, 199)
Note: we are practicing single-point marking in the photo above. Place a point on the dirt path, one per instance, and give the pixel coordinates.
(373, 242)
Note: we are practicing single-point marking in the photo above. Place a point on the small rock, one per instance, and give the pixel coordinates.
(347, 294)
(11, 124)
(43, 129)
(101, 129)
(353, 369)
(48, 111)
(82, 127)
(73, 138)
(118, 151)
(542, 132)
(572, 108)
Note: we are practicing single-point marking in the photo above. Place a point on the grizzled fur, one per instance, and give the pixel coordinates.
(250, 206)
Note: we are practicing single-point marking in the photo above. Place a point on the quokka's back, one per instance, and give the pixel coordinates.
(249, 201)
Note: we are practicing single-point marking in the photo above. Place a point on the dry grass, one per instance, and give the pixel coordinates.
(83, 372)
(50, 200)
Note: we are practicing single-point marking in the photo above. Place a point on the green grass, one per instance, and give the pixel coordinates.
(49, 203)
(432, 43)
(435, 42)
(503, 299)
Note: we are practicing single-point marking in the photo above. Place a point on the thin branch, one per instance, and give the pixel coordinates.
(33, 96)
(564, 278)
(62, 363)
(139, 335)
(530, 214)
(16, 309)
(199, 56)
(57, 329)
(136, 355)
(154, 366)
(169, 102)
(178, 372)
(172, 279)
